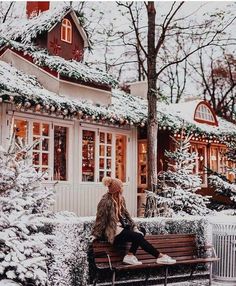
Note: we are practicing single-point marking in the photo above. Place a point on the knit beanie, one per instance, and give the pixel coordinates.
(114, 185)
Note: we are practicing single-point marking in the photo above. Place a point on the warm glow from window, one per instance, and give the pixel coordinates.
(66, 31)
(204, 113)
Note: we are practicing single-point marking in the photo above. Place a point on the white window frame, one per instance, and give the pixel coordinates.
(68, 29)
(52, 122)
(203, 111)
(97, 130)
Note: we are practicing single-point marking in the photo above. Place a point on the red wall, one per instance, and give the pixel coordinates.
(64, 50)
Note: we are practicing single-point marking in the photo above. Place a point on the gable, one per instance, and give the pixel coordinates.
(66, 50)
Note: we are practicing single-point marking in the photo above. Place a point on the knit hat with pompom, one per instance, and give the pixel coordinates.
(114, 185)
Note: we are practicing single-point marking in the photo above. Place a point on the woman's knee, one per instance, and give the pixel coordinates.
(137, 236)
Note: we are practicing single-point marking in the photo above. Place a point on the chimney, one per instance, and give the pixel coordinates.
(33, 8)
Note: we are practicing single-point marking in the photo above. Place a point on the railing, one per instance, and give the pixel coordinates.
(224, 241)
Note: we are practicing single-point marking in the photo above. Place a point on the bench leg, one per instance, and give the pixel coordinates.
(147, 277)
(210, 278)
(95, 279)
(113, 277)
(166, 275)
(192, 271)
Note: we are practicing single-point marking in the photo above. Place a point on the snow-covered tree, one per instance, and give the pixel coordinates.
(177, 186)
(223, 186)
(23, 202)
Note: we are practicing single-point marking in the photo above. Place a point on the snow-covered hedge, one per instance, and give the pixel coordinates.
(70, 265)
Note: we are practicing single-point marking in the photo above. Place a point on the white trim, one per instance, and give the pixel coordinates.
(89, 87)
(97, 131)
(55, 77)
(51, 123)
(80, 28)
(67, 28)
(27, 61)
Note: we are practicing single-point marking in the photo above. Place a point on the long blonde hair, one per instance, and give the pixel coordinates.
(118, 201)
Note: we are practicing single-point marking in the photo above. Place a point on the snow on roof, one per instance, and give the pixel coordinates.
(25, 91)
(26, 30)
(185, 112)
(68, 68)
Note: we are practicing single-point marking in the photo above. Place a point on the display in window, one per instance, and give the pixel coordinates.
(88, 156)
(102, 137)
(45, 130)
(121, 157)
(142, 164)
(60, 153)
(102, 150)
(105, 153)
(36, 128)
(45, 144)
(36, 159)
(21, 131)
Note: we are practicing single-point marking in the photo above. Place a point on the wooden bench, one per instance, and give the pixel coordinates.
(182, 247)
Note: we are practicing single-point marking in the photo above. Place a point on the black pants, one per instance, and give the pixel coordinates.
(136, 239)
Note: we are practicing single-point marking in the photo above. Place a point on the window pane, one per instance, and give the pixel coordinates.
(60, 153)
(36, 128)
(121, 145)
(108, 151)
(88, 156)
(45, 130)
(45, 159)
(214, 159)
(21, 131)
(109, 138)
(102, 150)
(101, 163)
(101, 175)
(45, 144)
(102, 137)
(36, 159)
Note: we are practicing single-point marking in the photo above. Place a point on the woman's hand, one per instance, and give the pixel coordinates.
(91, 238)
(138, 231)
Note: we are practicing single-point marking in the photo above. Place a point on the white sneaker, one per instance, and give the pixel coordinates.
(165, 259)
(131, 259)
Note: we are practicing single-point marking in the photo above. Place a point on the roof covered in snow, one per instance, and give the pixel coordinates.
(26, 30)
(180, 112)
(68, 68)
(26, 92)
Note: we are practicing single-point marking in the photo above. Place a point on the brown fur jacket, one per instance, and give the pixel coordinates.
(106, 223)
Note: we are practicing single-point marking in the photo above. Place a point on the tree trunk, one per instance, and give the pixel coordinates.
(152, 126)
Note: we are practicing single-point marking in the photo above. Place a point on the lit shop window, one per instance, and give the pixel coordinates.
(214, 159)
(121, 142)
(66, 31)
(223, 161)
(201, 162)
(41, 146)
(204, 113)
(105, 155)
(21, 131)
(88, 156)
(60, 153)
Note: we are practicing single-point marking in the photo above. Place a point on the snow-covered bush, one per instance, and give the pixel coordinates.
(23, 202)
(69, 263)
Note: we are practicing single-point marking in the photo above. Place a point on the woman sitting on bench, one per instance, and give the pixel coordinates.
(114, 222)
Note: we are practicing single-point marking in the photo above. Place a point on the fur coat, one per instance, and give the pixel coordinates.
(106, 223)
